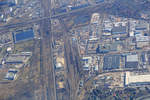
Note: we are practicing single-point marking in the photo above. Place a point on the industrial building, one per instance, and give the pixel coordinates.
(103, 49)
(59, 67)
(106, 32)
(23, 35)
(142, 41)
(136, 80)
(59, 64)
(60, 85)
(86, 61)
(6, 38)
(11, 74)
(142, 25)
(16, 59)
(119, 30)
(95, 18)
(111, 62)
(131, 61)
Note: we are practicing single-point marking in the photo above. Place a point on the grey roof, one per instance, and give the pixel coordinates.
(111, 62)
(131, 64)
(119, 30)
(132, 58)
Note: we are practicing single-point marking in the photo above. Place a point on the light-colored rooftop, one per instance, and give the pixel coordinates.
(22, 57)
(136, 78)
(132, 58)
(60, 60)
(14, 59)
(95, 18)
(142, 38)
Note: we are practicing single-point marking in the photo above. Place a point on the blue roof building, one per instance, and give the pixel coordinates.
(24, 35)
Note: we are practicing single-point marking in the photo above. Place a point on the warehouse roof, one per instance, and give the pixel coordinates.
(132, 58)
(119, 30)
(130, 79)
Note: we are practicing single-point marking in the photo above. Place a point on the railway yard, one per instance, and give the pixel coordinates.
(76, 50)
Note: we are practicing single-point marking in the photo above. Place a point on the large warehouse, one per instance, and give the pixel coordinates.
(136, 80)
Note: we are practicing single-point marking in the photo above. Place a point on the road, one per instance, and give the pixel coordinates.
(78, 12)
(122, 52)
(100, 7)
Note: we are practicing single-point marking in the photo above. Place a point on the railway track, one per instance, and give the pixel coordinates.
(78, 12)
(72, 64)
(47, 66)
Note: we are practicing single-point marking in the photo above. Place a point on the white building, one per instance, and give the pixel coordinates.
(136, 80)
(87, 61)
(95, 18)
(132, 58)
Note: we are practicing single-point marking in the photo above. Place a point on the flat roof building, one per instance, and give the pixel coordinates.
(10, 76)
(136, 80)
(119, 30)
(86, 61)
(111, 62)
(132, 58)
(131, 61)
(95, 18)
(19, 58)
(23, 35)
